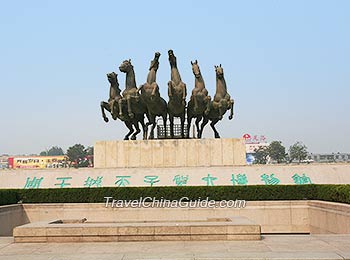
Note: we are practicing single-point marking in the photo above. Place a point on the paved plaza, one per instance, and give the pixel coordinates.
(270, 247)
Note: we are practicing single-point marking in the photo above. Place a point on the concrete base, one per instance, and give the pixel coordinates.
(235, 228)
(169, 153)
(306, 216)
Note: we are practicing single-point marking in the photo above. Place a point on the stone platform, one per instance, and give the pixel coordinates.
(274, 247)
(170, 153)
(235, 228)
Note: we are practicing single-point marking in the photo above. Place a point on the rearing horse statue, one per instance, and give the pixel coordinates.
(199, 104)
(177, 96)
(130, 92)
(222, 99)
(113, 107)
(114, 96)
(136, 108)
(156, 106)
(221, 103)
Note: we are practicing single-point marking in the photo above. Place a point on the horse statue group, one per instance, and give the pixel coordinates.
(134, 103)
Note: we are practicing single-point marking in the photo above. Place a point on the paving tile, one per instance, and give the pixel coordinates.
(275, 247)
(6, 240)
(89, 257)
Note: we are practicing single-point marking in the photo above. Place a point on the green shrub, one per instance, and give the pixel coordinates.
(336, 193)
(8, 197)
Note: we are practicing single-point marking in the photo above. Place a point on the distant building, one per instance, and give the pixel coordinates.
(330, 157)
(4, 162)
(252, 144)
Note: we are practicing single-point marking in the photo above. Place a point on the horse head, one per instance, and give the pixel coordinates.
(113, 78)
(172, 58)
(195, 69)
(155, 62)
(126, 66)
(219, 71)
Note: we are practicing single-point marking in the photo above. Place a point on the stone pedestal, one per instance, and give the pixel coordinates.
(169, 153)
(234, 228)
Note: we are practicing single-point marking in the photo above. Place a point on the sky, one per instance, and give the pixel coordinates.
(286, 65)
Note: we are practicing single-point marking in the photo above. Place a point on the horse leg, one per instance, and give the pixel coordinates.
(154, 89)
(189, 120)
(165, 118)
(195, 100)
(221, 112)
(207, 110)
(184, 93)
(144, 127)
(104, 105)
(128, 100)
(182, 119)
(170, 88)
(198, 119)
(231, 109)
(120, 104)
(136, 125)
(115, 108)
(131, 130)
(212, 124)
(171, 120)
(153, 123)
(111, 105)
(204, 122)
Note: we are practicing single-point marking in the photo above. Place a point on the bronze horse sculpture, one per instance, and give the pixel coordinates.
(221, 103)
(113, 106)
(135, 107)
(131, 105)
(130, 93)
(114, 96)
(156, 105)
(199, 104)
(177, 96)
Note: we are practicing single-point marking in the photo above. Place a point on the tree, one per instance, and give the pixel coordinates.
(53, 151)
(261, 155)
(298, 151)
(76, 153)
(90, 150)
(43, 153)
(277, 151)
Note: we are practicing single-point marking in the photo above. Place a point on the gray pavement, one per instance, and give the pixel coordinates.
(270, 247)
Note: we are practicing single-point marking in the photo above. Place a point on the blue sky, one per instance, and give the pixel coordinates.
(286, 64)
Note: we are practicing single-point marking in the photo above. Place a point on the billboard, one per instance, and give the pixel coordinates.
(37, 162)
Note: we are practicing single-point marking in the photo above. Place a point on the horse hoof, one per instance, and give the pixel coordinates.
(106, 119)
(230, 117)
(133, 138)
(126, 138)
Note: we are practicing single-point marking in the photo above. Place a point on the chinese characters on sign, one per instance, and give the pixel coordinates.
(270, 179)
(177, 180)
(301, 179)
(33, 184)
(180, 180)
(241, 179)
(122, 181)
(254, 139)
